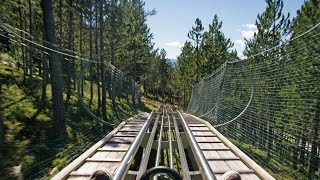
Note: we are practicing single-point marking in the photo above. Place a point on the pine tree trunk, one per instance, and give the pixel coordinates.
(184, 96)
(114, 106)
(113, 93)
(44, 81)
(270, 141)
(60, 23)
(1, 130)
(30, 52)
(295, 155)
(302, 149)
(103, 101)
(198, 64)
(74, 73)
(68, 62)
(134, 75)
(26, 50)
(314, 158)
(40, 68)
(91, 64)
(22, 47)
(59, 114)
(98, 65)
(1, 139)
(81, 46)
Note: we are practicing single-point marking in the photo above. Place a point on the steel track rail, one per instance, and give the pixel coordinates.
(203, 164)
(122, 170)
(183, 159)
(147, 150)
(159, 143)
(170, 142)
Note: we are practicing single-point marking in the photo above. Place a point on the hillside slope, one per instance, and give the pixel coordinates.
(29, 144)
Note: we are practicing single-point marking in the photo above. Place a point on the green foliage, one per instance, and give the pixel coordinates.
(269, 103)
(272, 26)
(28, 128)
(208, 52)
(215, 48)
(195, 34)
(275, 167)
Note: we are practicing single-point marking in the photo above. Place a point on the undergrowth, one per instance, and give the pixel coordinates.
(31, 150)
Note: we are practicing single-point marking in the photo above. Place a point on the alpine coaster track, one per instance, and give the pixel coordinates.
(167, 143)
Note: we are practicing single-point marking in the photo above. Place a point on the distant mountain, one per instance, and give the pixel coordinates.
(173, 62)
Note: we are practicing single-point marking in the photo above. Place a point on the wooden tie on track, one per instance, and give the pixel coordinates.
(191, 143)
(220, 156)
(107, 153)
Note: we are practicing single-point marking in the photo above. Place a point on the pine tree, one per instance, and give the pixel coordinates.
(102, 63)
(196, 35)
(91, 68)
(215, 47)
(113, 26)
(272, 26)
(163, 72)
(187, 72)
(1, 130)
(307, 17)
(70, 45)
(45, 78)
(30, 50)
(59, 114)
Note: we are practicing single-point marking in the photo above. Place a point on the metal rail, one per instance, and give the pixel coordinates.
(147, 150)
(159, 144)
(173, 128)
(126, 161)
(204, 167)
(170, 143)
(183, 159)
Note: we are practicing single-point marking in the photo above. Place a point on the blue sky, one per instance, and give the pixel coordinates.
(175, 18)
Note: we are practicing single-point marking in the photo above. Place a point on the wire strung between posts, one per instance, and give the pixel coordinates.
(6, 27)
(121, 83)
(115, 72)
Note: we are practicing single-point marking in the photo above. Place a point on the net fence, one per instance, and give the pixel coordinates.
(269, 105)
(86, 71)
(40, 153)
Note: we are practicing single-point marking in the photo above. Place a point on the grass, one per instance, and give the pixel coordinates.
(29, 140)
(150, 104)
(275, 167)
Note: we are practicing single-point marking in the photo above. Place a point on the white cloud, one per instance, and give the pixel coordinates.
(250, 26)
(243, 57)
(248, 34)
(240, 42)
(249, 30)
(174, 44)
